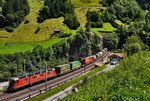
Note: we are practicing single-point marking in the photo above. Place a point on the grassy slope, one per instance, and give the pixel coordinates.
(128, 82)
(25, 32)
(106, 27)
(86, 2)
(22, 47)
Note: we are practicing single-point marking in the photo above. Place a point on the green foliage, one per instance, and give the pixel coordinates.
(6, 75)
(4, 89)
(104, 3)
(133, 45)
(145, 4)
(71, 21)
(58, 8)
(110, 41)
(126, 10)
(1, 3)
(123, 33)
(9, 29)
(94, 20)
(64, 35)
(13, 12)
(128, 81)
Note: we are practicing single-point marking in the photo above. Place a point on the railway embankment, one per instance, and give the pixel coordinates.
(69, 89)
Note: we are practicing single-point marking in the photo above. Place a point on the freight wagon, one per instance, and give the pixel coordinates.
(87, 60)
(62, 69)
(75, 65)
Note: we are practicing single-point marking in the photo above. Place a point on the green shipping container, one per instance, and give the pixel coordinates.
(75, 65)
(62, 69)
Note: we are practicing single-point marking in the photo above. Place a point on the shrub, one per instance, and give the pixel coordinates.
(63, 35)
(71, 21)
(9, 29)
(93, 24)
(99, 24)
(104, 4)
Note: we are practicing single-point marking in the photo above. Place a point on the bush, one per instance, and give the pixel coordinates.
(63, 35)
(9, 29)
(133, 45)
(6, 75)
(104, 4)
(71, 21)
(93, 24)
(99, 24)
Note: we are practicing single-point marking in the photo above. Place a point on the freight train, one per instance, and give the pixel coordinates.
(35, 77)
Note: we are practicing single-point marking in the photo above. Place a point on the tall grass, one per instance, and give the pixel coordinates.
(130, 81)
(22, 47)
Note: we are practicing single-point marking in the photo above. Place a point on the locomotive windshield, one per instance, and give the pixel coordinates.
(11, 83)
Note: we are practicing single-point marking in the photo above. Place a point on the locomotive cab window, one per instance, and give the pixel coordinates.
(17, 81)
(33, 77)
(41, 75)
(26, 79)
(48, 72)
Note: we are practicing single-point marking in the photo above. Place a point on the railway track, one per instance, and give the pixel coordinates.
(21, 94)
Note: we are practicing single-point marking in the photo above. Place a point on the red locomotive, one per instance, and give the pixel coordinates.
(29, 79)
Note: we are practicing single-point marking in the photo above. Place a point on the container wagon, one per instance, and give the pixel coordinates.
(75, 65)
(62, 69)
(87, 60)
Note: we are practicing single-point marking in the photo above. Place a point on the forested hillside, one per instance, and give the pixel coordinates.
(60, 53)
(127, 21)
(12, 12)
(136, 23)
(145, 4)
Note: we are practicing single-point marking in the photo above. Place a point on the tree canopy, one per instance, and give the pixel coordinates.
(12, 12)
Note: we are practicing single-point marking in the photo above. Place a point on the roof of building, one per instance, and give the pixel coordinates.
(117, 54)
(98, 64)
(57, 30)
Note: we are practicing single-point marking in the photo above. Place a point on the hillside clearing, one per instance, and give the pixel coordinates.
(22, 47)
(106, 27)
(86, 2)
